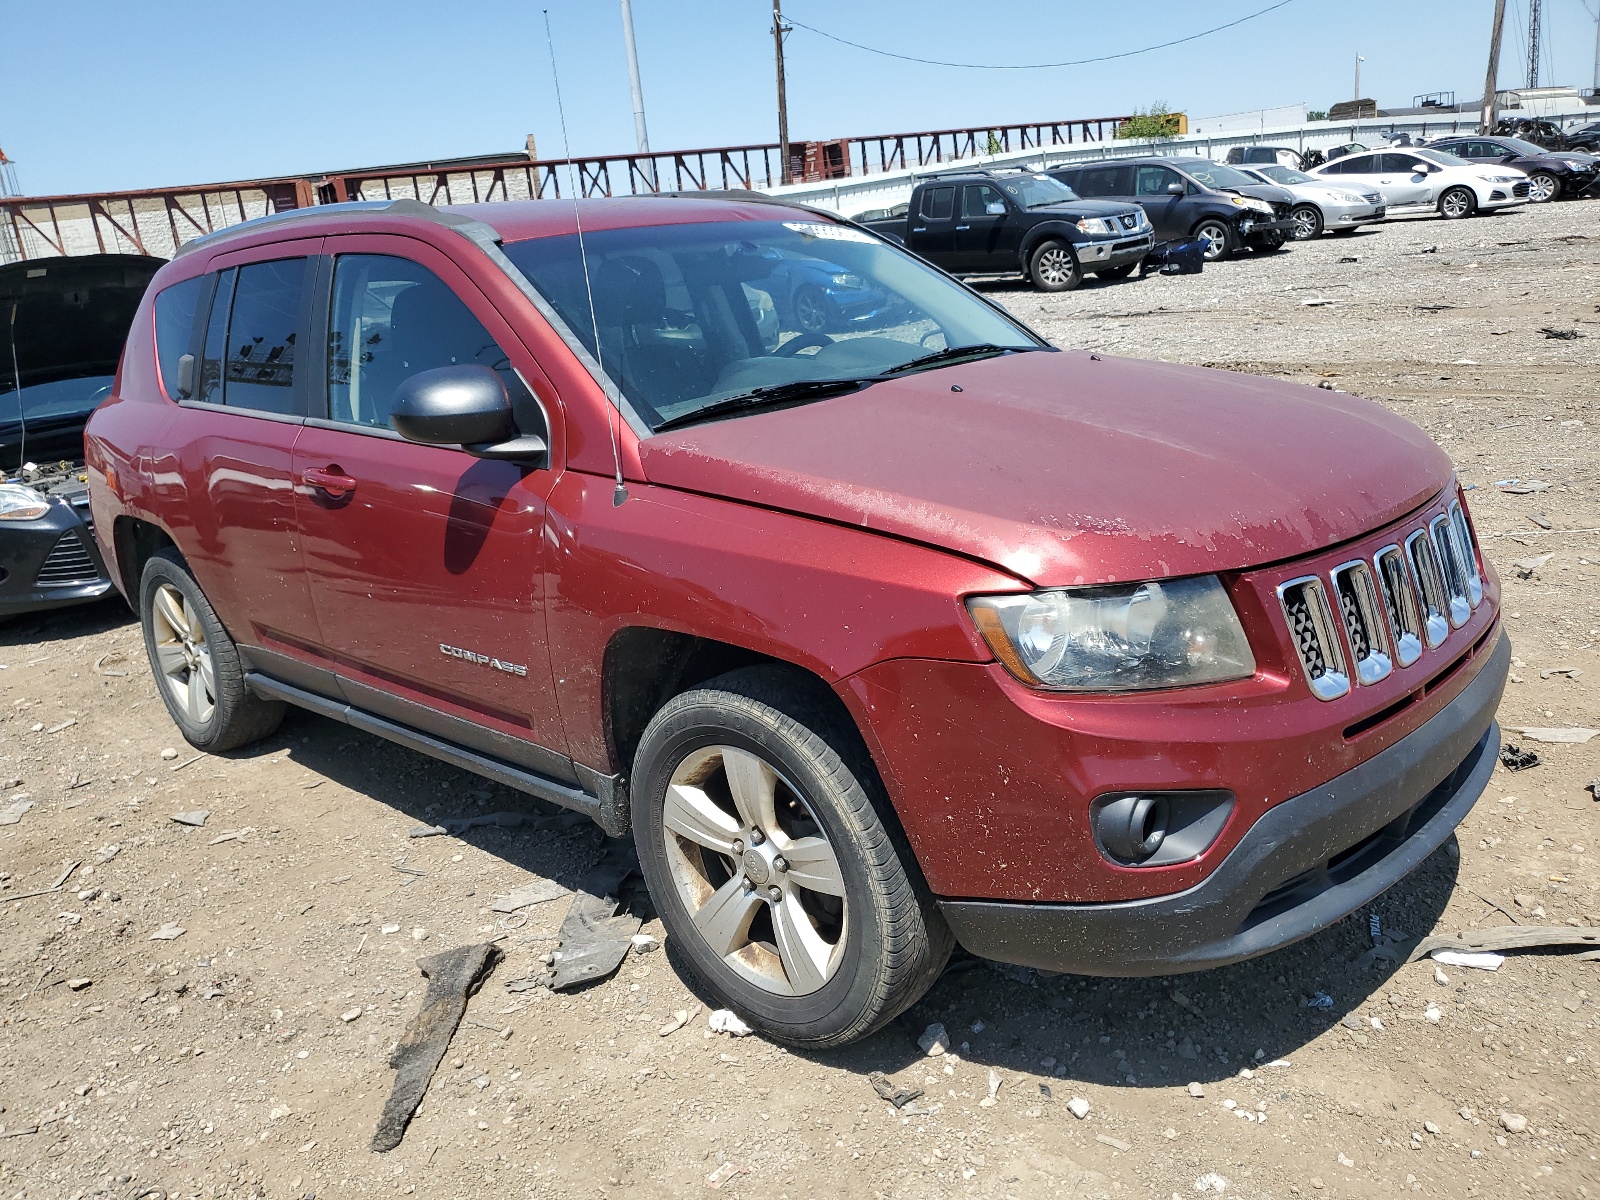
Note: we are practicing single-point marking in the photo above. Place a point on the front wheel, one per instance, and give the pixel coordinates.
(1218, 238)
(1053, 267)
(1456, 203)
(812, 311)
(1307, 220)
(758, 829)
(195, 662)
(1543, 187)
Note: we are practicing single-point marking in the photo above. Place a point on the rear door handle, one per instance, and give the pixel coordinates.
(328, 479)
(959, 228)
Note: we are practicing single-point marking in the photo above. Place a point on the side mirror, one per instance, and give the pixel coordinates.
(185, 376)
(1174, 189)
(995, 208)
(464, 405)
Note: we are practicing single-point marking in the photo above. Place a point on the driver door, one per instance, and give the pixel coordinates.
(1152, 191)
(1408, 180)
(979, 232)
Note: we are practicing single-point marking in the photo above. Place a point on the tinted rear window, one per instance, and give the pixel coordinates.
(259, 370)
(175, 309)
(939, 204)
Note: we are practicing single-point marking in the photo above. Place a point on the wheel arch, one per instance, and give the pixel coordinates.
(135, 541)
(1046, 231)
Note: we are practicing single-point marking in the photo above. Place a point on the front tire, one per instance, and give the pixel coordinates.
(813, 312)
(757, 820)
(195, 662)
(1218, 238)
(1053, 267)
(1307, 220)
(1457, 203)
(1543, 187)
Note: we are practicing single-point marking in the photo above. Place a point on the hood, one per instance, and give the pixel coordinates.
(1076, 209)
(1270, 192)
(1064, 469)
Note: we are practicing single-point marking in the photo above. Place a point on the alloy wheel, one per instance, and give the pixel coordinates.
(1215, 236)
(1055, 267)
(183, 655)
(1543, 188)
(755, 869)
(1307, 223)
(810, 310)
(1457, 202)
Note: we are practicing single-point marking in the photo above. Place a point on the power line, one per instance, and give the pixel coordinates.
(933, 62)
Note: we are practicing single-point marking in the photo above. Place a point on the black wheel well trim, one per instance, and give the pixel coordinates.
(1048, 230)
(135, 541)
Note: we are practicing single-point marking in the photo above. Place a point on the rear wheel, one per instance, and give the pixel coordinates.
(1053, 267)
(1121, 272)
(756, 820)
(1543, 187)
(1307, 220)
(1457, 202)
(195, 662)
(1218, 238)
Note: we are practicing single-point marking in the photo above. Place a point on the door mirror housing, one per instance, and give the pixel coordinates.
(1174, 189)
(185, 381)
(464, 405)
(995, 208)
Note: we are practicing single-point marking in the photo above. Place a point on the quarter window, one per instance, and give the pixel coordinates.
(391, 319)
(175, 312)
(248, 360)
(939, 204)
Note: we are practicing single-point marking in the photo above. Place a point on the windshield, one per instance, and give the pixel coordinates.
(1520, 146)
(1284, 174)
(60, 398)
(1219, 176)
(1032, 191)
(690, 315)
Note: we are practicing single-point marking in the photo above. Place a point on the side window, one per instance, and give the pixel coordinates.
(1486, 150)
(1101, 181)
(1357, 164)
(1402, 164)
(249, 360)
(1459, 149)
(976, 197)
(175, 311)
(939, 204)
(1153, 181)
(392, 318)
(214, 348)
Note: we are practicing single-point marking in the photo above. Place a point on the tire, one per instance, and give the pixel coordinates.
(861, 947)
(1053, 267)
(1269, 244)
(1307, 220)
(1219, 238)
(1543, 187)
(1456, 203)
(195, 662)
(812, 311)
(1121, 272)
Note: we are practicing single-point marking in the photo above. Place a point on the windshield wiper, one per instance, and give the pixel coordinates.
(955, 354)
(768, 397)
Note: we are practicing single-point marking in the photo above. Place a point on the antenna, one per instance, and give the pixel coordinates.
(16, 373)
(620, 493)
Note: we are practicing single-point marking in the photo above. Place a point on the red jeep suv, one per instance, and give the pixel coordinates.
(877, 634)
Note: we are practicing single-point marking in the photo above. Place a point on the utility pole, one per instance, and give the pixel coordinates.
(1597, 56)
(1359, 61)
(640, 135)
(1533, 43)
(1487, 120)
(778, 30)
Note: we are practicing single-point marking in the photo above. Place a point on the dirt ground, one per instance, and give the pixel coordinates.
(247, 1056)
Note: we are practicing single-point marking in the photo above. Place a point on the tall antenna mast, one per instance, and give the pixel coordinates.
(1533, 42)
(778, 30)
(640, 135)
(1486, 121)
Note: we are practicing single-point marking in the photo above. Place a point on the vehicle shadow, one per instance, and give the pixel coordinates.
(63, 624)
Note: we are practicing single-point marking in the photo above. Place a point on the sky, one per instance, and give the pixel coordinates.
(96, 96)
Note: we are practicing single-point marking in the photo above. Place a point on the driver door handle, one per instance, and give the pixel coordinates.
(959, 228)
(328, 479)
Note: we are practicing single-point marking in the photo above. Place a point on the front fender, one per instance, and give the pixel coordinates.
(1063, 231)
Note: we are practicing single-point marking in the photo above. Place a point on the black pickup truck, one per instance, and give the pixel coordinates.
(1010, 222)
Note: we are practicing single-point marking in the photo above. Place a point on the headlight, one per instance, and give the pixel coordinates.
(19, 503)
(1095, 225)
(1250, 202)
(847, 281)
(1117, 639)
(1347, 198)
(1506, 178)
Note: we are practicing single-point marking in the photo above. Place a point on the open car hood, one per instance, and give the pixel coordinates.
(1066, 469)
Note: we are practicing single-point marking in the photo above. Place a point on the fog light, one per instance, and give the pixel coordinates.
(1158, 829)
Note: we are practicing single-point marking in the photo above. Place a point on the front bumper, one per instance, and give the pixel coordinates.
(50, 562)
(1254, 230)
(1113, 252)
(1305, 864)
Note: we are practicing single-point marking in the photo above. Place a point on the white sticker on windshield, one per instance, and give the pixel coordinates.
(829, 233)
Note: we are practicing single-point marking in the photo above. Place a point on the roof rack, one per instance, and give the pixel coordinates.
(404, 207)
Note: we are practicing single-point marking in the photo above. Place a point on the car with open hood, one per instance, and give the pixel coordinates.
(874, 640)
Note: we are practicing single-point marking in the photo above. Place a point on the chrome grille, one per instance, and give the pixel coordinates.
(68, 563)
(1451, 571)
(1469, 558)
(1363, 621)
(1400, 600)
(1305, 603)
(1430, 587)
(1129, 220)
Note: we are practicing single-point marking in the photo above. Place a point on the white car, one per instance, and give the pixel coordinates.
(1418, 180)
(1321, 204)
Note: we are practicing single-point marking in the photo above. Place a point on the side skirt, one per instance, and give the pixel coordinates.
(604, 798)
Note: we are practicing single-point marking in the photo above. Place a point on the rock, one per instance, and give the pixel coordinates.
(419, 934)
(1431, 1127)
(1345, 1160)
(14, 811)
(79, 984)
(168, 754)
(1513, 1122)
(168, 932)
(350, 1014)
(1198, 1092)
(1440, 977)
(1211, 1183)
(1078, 1107)
(679, 1020)
(994, 1090)
(389, 929)
(934, 1040)
(727, 1021)
(644, 943)
(197, 818)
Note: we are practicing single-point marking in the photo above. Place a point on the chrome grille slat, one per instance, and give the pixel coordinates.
(1424, 564)
(68, 563)
(1363, 622)
(1469, 558)
(1400, 600)
(1316, 638)
(1451, 571)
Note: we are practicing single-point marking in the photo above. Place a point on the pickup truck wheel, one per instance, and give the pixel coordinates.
(758, 829)
(1456, 203)
(1543, 187)
(1218, 238)
(812, 311)
(1053, 267)
(195, 662)
(1121, 272)
(1307, 220)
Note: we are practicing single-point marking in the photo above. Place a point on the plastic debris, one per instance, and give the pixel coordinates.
(1482, 960)
(168, 932)
(1527, 566)
(725, 1020)
(537, 892)
(452, 977)
(1212, 1182)
(934, 1040)
(1078, 1107)
(197, 818)
(1514, 758)
(679, 1020)
(1523, 487)
(994, 1090)
(1114, 1143)
(233, 835)
(594, 937)
(644, 943)
(1560, 335)
(1579, 938)
(888, 1090)
(725, 1172)
(1318, 1000)
(1542, 521)
(1573, 736)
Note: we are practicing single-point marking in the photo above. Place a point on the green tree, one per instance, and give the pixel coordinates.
(1158, 122)
(1317, 115)
(993, 146)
